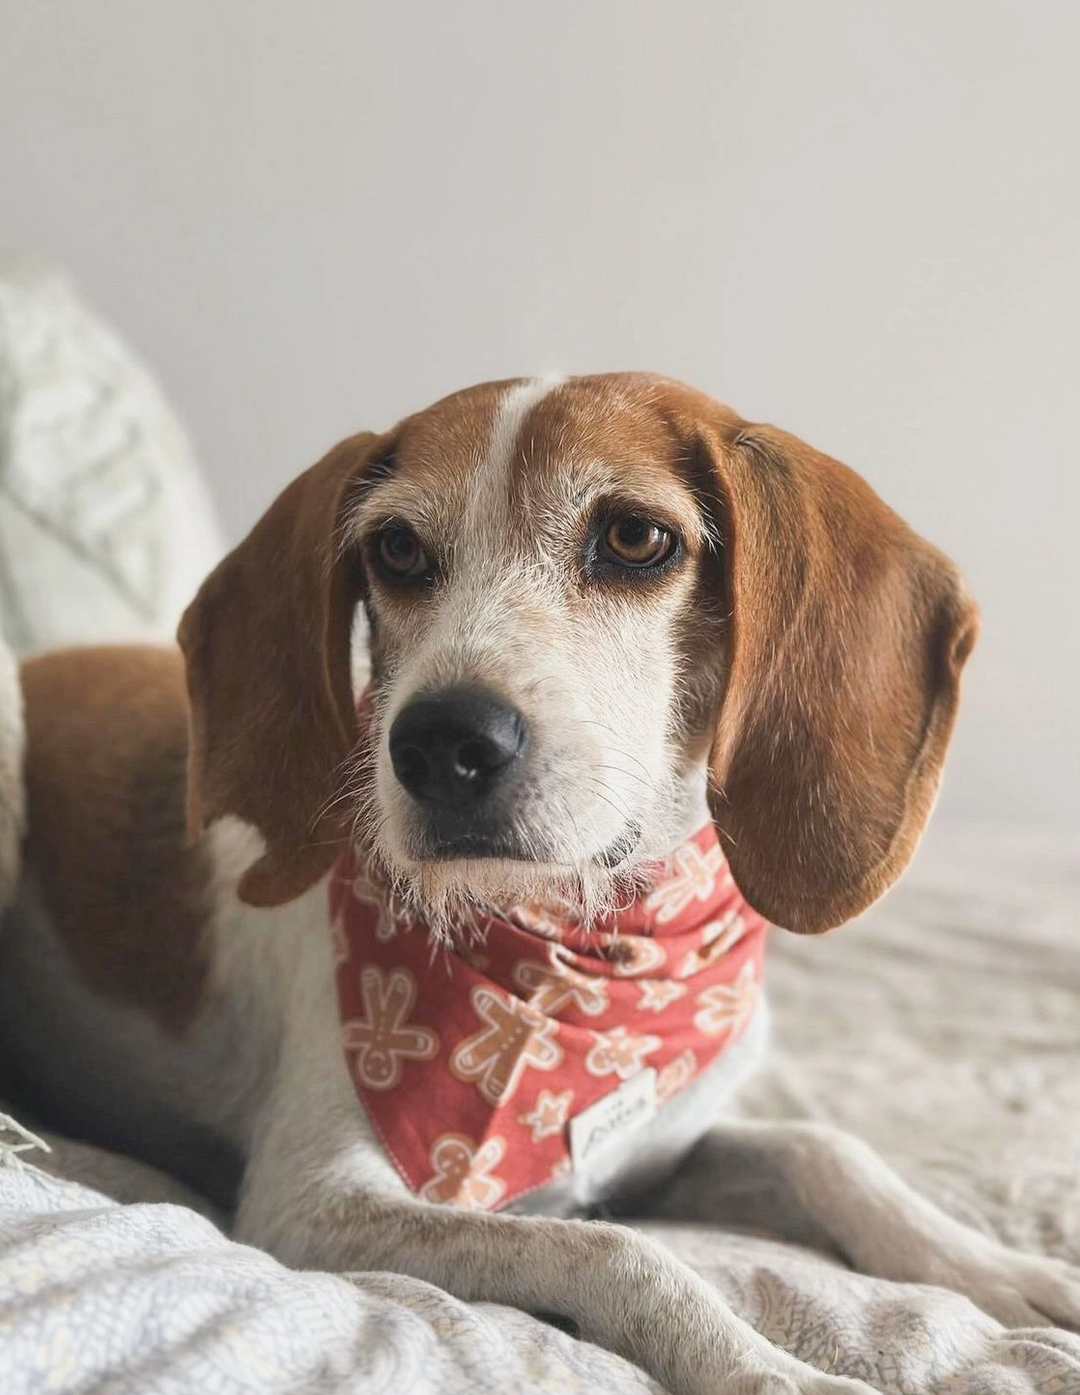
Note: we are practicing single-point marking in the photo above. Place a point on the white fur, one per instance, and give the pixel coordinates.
(261, 1076)
(597, 682)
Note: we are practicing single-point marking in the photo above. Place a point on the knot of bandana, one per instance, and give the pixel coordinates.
(471, 1062)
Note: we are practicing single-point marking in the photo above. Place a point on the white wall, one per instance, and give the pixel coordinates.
(859, 220)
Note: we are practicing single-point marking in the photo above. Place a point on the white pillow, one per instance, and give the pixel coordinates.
(106, 528)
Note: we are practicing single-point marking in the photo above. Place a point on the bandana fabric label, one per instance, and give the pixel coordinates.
(605, 1125)
(492, 1066)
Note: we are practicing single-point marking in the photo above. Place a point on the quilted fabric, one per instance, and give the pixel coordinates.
(944, 1028)
(153, 1300)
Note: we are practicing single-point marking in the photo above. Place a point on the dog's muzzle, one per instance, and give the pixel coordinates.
(457, 753)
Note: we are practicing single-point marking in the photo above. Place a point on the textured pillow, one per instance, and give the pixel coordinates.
(106, 528)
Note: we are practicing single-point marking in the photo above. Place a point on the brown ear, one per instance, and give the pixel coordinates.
(266, 642)
(848, 636)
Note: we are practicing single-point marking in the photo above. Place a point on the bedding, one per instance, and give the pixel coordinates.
(944, 1028)
(106, 525)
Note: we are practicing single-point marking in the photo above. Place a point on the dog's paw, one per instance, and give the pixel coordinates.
(1019, 1290)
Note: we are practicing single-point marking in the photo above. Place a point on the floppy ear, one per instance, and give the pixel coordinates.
(848, 634)
(266, 641)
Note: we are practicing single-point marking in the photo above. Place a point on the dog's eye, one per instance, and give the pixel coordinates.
(400, 554)
(633, 541)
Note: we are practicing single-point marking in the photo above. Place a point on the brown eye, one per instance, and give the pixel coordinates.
(633, 541)
(400, 554)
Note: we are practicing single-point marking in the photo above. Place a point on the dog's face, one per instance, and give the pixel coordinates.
(546, 616)
(587, 600)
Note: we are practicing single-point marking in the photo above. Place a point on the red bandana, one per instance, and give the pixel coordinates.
(473, 1060)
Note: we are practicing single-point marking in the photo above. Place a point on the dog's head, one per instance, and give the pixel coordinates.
(588, 600)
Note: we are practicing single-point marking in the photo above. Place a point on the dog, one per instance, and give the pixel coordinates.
(606, 618)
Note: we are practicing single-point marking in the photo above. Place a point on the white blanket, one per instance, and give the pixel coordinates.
(945, 1029)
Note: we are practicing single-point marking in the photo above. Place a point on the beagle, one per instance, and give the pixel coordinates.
(426, 968)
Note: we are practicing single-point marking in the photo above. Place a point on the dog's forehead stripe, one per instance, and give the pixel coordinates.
(496, 429)
(514, 408)
(508, 434)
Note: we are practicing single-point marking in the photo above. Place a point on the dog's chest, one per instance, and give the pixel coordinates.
(641, 1158)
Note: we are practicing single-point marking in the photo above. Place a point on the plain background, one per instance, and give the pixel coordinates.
(858, 220)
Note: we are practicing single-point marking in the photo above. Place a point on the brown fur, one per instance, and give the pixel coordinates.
(842, 636)
(848, 636)
(267, 648)
(842, 633)
(106, 750)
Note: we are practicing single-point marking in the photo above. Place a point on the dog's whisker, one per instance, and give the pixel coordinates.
(620, 810)
(645, 780)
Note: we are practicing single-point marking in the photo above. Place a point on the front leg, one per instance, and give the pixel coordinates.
(821, 1186)
(620, 1289)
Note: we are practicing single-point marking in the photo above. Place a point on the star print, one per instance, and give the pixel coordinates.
(619, 1052)
(549, 1114)
(655, 994)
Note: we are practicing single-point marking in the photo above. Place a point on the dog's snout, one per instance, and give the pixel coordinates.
(451, 748)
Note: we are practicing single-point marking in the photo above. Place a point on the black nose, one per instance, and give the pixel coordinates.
(452, 747)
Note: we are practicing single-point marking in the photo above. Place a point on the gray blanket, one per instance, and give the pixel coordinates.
(944, 1029)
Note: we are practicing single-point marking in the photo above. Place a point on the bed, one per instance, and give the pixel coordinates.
(943, 1027)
